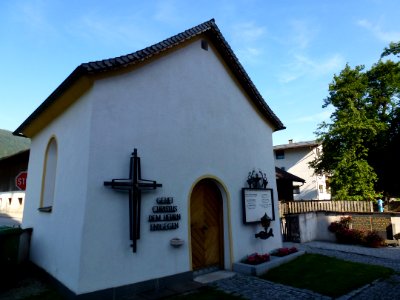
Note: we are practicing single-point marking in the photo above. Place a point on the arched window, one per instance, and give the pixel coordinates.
(49, 176)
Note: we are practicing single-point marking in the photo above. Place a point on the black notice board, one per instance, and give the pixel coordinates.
(255, 203)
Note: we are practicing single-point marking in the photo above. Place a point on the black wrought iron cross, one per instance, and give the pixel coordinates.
(135, 185)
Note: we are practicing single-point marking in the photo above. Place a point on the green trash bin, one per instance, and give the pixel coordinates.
(10, 252)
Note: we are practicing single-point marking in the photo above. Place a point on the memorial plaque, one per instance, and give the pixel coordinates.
(257, 202)
(164, 215)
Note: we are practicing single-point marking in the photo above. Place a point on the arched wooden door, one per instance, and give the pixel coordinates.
(206, 225)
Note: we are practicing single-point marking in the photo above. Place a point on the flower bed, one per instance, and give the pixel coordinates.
(256, 259)
(284, 251)
(273, 261)
(345, 235)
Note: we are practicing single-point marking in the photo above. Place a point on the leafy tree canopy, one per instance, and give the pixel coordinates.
(394, 48)
(362, 140)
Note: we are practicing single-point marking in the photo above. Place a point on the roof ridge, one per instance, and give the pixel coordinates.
(208, 28)
(298, 144)
(147, 52)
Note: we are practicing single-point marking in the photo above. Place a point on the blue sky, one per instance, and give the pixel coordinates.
(290, 49)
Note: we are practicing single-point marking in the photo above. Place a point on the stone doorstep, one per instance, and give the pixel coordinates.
(264, 267)
(214, 276)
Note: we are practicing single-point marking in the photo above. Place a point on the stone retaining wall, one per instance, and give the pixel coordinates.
(314, 225)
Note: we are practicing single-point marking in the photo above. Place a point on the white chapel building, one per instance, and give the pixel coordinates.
(199, 126)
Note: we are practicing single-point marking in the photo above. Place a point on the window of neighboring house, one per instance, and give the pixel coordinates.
(318, 152)
(328, 186)
(321, 188)
(296, 190)
(279, 154)
(49, 176)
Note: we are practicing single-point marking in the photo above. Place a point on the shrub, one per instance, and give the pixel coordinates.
(373, 239)
(345, 221)
(345, 235)
(349, 236)
(358, 236)
(336, 226)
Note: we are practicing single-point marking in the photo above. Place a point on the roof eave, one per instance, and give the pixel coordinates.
(208, 28)
(242, 76)
(77, 77)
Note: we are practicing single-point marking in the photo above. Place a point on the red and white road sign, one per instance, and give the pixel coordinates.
(20, 180)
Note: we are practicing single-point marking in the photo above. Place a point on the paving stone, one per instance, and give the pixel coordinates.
(251, 287)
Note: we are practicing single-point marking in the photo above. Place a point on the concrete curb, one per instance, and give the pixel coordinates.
(265, 267)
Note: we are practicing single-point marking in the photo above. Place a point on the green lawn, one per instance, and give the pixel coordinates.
(326, 275)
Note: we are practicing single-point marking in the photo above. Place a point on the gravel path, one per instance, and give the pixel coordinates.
(251, 287)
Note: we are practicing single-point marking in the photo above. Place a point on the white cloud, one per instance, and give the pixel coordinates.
(303, 65)
(287, 77)
(109, 31)
(378, 32)
(34, 15)
(314, 118)
(303, 33)
(248, 32)
(247, 40)
(166, 11)
(249, 54)
(328, 65)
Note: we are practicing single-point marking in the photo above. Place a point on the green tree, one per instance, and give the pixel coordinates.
(394, 48)
(361, 141)
(383, 105)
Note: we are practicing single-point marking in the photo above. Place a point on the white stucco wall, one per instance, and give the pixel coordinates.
(12, 203)
(314, 226)
(396, 224)
(188, 119)
(56, 238)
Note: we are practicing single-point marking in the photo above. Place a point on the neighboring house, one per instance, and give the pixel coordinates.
(295, 158)
(11, 144)
(285, 184)
(199, 125)
(14, 156)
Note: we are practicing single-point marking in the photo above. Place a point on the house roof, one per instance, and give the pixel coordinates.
(283, 175)
(15, 155)
(88, 70)
(10, 144)
(308, 144)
